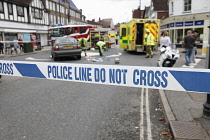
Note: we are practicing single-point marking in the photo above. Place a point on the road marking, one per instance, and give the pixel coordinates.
(142, 115)
(90, 54)
(34, 59)
(192, 65)
(115, 55)
(149, 133)
(147, 126)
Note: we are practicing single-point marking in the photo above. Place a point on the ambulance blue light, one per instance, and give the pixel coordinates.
(60, 24)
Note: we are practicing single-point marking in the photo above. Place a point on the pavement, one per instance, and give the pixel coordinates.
(44, 48)
(183, 110)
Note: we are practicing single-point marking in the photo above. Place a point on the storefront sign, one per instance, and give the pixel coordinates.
(171, 24)
(188, 23)
(200, 22)
(179, 24)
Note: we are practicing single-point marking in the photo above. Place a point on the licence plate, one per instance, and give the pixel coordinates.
(68, 47)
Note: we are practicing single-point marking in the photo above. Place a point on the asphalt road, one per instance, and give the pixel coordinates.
(38, 109)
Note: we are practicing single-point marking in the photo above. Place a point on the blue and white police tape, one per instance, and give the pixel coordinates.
(179, 79)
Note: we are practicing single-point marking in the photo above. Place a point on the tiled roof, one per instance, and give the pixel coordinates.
(160, 5)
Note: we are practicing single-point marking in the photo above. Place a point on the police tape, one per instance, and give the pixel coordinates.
(179, 79)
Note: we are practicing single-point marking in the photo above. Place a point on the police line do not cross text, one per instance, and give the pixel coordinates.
(131, 76)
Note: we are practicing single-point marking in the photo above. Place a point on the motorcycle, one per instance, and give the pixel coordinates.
(168, 56)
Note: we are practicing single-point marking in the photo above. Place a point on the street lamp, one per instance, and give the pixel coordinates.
(206, 106)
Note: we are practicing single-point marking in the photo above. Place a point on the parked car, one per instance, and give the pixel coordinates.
(65, 47)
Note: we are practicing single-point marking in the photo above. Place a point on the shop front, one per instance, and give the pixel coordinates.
(178, 30)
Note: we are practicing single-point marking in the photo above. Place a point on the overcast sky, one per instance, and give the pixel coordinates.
(118, 10)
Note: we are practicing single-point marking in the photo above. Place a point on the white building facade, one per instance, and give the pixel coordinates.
(24, 19)
(187, 15)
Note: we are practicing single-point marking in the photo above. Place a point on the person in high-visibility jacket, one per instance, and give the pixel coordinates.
(106, 40)
(100, 45)
(149, 42)
(83, 43)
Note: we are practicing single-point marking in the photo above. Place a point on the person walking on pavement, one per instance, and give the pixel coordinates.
(192, 59)
(83, 44)
(188, 43)
(100, 45)
(1, 46)
(165, 40)
(7, 46)
(149, 42)
(15, 43)
(20, 43)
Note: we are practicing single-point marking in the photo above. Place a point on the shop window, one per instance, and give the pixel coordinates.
(20, 11)
(1, 7)
(200, 34)
(10, 9)
(179, 36)
(187, 5)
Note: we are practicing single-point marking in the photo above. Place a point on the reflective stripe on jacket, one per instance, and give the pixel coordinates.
(150, 40)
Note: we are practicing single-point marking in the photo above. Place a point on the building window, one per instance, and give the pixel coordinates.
(20, 11)
(172, 7)
(10, 10)
(1, 7)
(187, 5)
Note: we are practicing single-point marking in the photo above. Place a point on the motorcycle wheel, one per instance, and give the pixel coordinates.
(168, 63)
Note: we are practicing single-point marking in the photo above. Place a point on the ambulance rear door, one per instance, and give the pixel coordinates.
(123, 36)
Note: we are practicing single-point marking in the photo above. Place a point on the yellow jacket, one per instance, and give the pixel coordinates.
(149, 39)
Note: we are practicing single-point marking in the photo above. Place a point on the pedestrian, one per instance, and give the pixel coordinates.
(116, 39)
(149, 42)
(1, 46)
(83, 43)
(165, 40)
(16, 45)
(20, 43)
(188, 43)
(194, 34)
(106, 40)
(7, 46)
(100, 45)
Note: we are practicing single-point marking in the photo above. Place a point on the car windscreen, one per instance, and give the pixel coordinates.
(66, 41)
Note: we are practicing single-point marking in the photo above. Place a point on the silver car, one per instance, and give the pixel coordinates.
(66, 47)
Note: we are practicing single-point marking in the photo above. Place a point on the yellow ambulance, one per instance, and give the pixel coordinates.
(132, 34)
